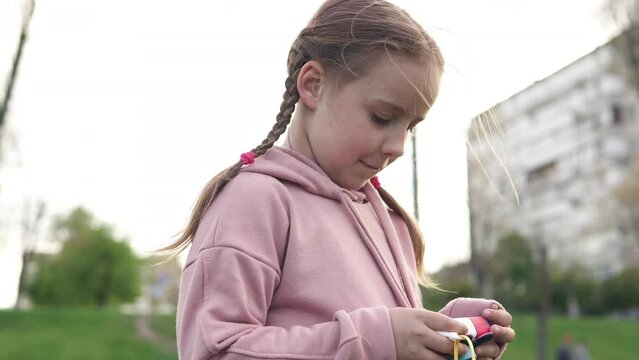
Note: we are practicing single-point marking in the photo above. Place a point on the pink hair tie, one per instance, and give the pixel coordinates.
(375, 182)
(247, 158)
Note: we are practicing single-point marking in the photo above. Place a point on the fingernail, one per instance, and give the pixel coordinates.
(494, 306)
(487, 313)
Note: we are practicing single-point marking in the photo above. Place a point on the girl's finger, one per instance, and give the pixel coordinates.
(502, 334)
(441, 344)
(440, 322)
(499, 317)
(488, 350)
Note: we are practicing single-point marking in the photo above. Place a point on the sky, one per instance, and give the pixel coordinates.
(128, 107)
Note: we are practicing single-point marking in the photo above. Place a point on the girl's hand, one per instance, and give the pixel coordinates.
(416, 334)
(504, 334)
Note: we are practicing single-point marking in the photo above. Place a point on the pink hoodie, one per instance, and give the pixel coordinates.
(287, 264)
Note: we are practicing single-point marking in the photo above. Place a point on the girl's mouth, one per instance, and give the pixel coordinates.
(374, 168)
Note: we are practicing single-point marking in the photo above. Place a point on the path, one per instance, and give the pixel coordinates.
(145, 331)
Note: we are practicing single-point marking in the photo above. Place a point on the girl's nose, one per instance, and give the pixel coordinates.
(394, 143)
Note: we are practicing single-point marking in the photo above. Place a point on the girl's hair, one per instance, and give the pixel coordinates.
(345, 36)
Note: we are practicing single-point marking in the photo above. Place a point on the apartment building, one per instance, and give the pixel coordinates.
(565, 143)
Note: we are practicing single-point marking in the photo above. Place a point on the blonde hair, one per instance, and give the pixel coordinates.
(344, 36)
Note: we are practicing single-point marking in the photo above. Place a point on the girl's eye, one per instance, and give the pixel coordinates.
(380, 120)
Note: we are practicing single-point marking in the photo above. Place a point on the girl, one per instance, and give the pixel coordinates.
(297, 252)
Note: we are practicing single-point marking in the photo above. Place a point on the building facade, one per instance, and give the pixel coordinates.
(547, 162)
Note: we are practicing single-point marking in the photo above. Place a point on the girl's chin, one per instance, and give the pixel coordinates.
(353, 185)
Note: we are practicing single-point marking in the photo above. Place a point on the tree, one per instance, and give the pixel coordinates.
(92, 268)
(621, 292)
(627, 195)
(621, 13)
(623, 16)
(30, 228)
(515, 273)
(4, 103)
(574, 291)
(455, 281)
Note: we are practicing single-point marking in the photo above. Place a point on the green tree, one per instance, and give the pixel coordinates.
(92, 268)
(621, 292)
(515, 273)
(455, 281)
(575, 286)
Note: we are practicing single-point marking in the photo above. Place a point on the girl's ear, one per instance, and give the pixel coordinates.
(310, 82)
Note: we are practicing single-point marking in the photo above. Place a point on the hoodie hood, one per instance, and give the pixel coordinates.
(290, 166)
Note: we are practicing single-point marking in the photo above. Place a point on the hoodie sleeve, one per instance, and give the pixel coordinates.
(465, 307)
(228, 284)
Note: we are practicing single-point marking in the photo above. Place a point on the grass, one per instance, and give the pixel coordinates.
(164, 326)
(606, 339)
(76, 334)
(69, 334)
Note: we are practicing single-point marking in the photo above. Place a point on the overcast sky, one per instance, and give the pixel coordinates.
(128, 107)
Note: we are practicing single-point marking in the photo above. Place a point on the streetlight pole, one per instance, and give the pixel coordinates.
(415, 185)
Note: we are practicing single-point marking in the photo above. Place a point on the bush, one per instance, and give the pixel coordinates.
(93, 268)
(621, 292)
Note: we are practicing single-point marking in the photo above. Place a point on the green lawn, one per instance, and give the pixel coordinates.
(606, 339)
(67, 334)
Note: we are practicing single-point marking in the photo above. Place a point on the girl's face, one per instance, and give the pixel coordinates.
(357, 130)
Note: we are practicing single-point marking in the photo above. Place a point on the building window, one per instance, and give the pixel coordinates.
(575, 202)
(617, 114)
(542, 172)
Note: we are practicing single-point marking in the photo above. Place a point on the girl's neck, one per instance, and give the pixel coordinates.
(297, 138)
(287, 143)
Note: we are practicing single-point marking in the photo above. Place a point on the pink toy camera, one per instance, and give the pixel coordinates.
(478, 330)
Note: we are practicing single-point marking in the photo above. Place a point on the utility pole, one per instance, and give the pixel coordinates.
(413, 139)
(544, 301)
(415, 186)
(4, 104)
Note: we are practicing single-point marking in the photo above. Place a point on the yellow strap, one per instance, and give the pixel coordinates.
(470, 344)
(456, 349)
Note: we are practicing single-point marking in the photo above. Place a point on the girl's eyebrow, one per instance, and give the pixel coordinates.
(397, 109)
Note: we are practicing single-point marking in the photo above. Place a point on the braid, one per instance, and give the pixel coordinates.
(215, 185)
(283, 118)
(296, 59)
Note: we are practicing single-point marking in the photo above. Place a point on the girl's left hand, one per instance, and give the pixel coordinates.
(501, 329)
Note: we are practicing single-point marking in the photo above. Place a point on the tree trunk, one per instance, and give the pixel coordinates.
(4, 105)
(544, 308)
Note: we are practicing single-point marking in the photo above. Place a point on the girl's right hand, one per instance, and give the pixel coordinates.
(416, 334)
